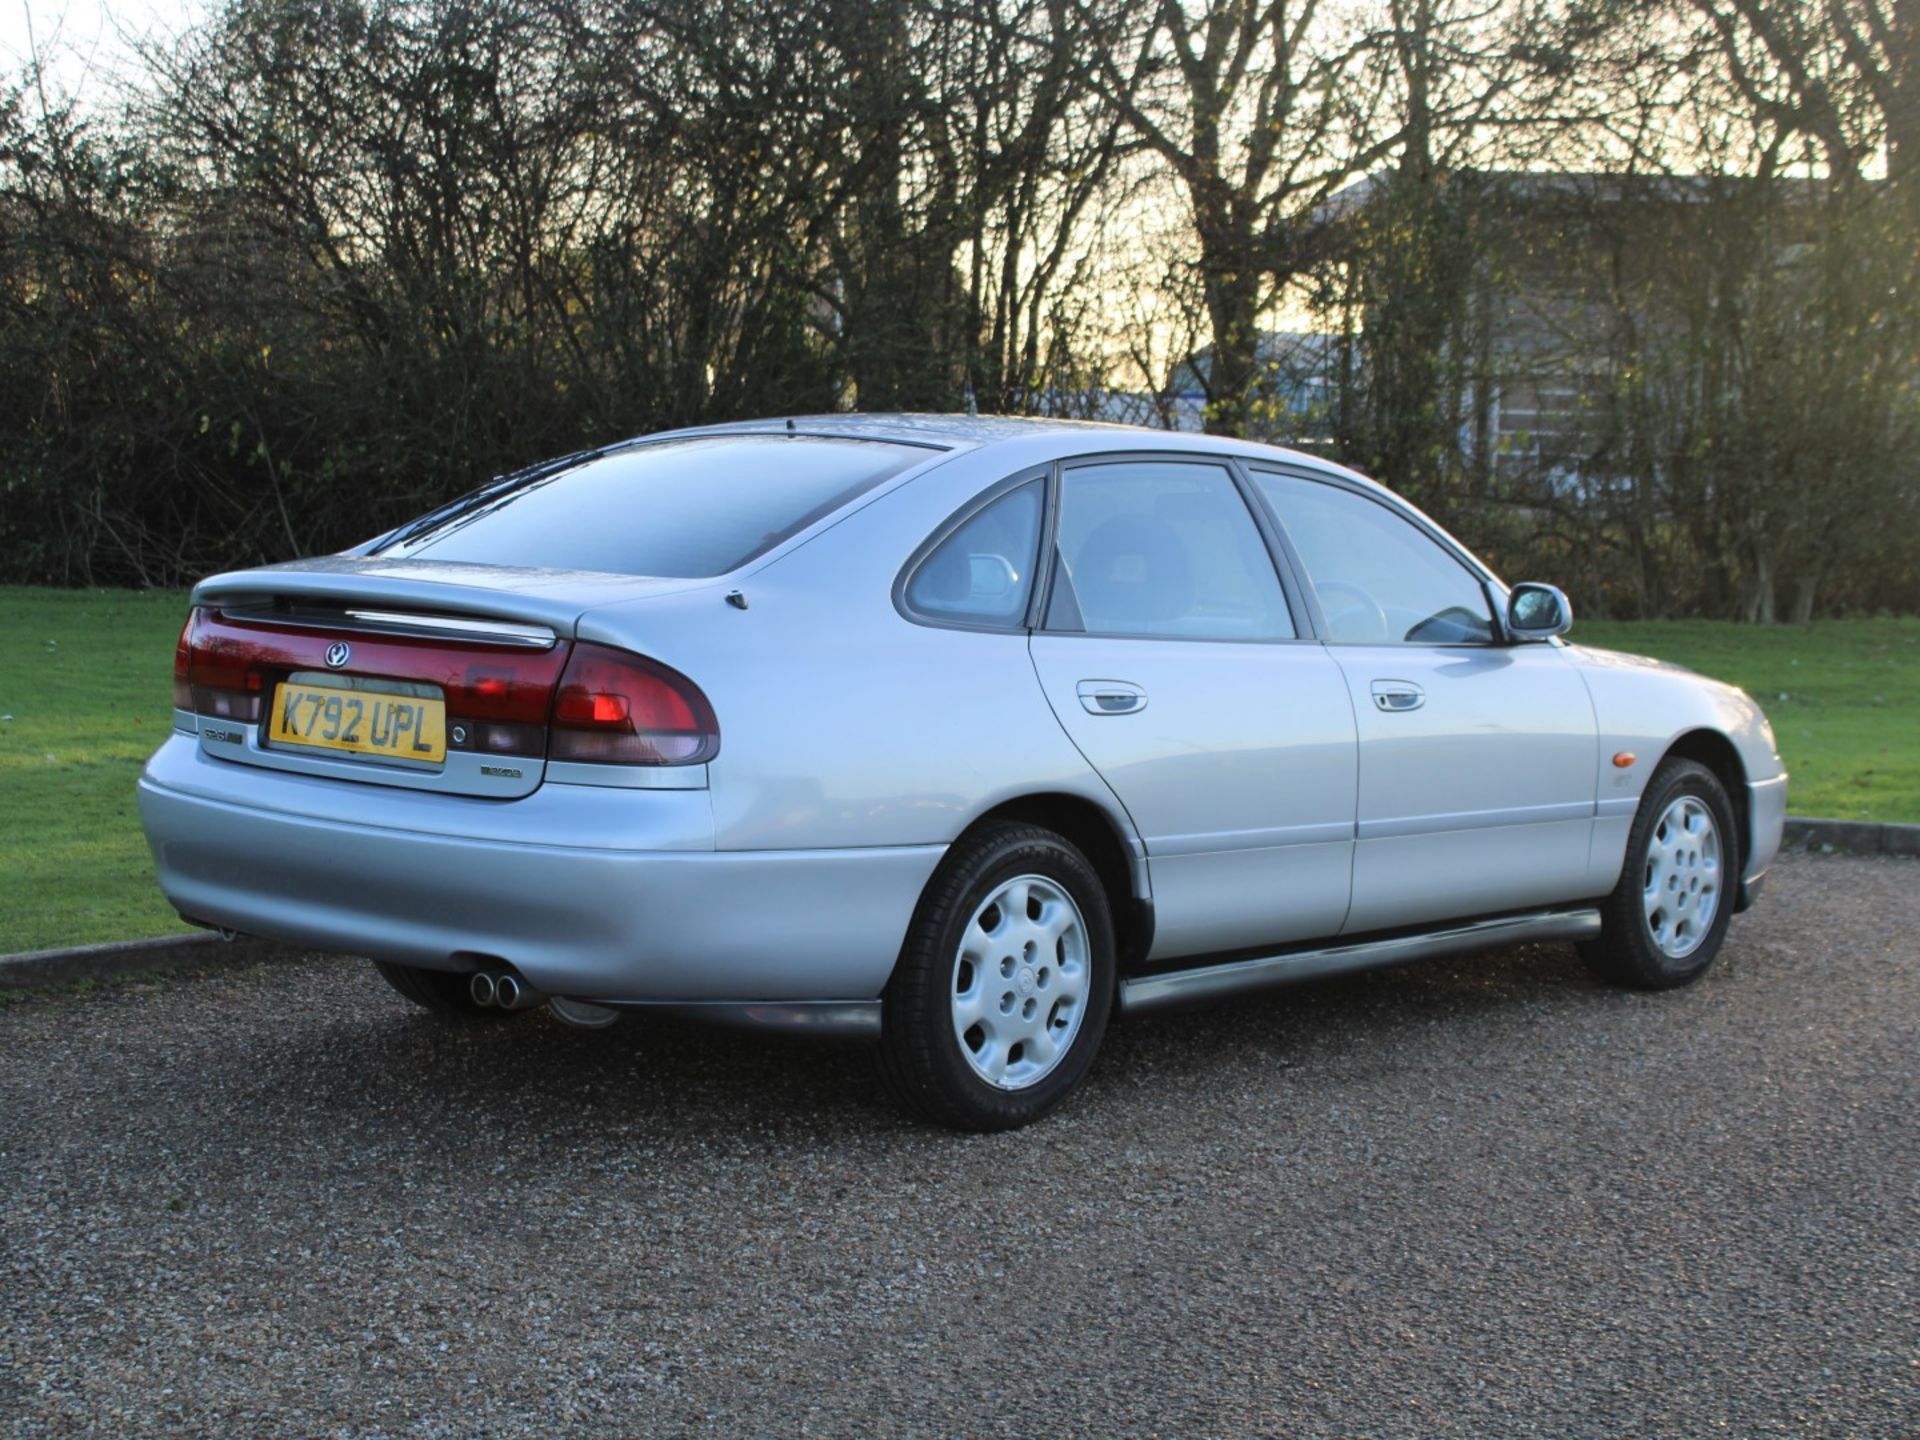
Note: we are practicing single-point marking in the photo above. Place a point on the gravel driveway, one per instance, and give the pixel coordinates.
(1479, 1197)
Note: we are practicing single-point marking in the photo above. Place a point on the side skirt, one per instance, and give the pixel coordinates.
(860, 1019)
(825, 1019)
(1234, 977)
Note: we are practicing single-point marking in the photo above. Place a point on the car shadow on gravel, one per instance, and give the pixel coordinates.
(533, 1074)
(1385, 1015)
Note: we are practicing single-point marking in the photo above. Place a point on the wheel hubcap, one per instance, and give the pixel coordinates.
(1020, 982)
(1682, 892)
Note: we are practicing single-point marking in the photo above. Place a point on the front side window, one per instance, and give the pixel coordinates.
(1380, 580)
(982, 574)
(1163, 548)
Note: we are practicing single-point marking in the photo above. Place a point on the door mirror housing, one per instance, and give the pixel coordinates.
(1538, 612)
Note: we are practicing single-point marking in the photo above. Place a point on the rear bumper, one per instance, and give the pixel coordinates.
(1767, 809)
(629, 910)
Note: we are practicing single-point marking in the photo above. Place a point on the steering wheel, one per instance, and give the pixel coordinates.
(1360, 603)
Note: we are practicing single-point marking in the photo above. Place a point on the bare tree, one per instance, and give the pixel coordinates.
(337, 259)
(1257, 111)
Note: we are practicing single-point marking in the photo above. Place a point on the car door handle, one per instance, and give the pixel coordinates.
(1397, 695)
(1111, 697)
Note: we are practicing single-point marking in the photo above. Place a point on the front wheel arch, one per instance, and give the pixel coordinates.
(1627, 951)
(1717, 752)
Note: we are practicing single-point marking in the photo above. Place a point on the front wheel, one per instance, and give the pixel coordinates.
(1666, 919)
(1004, 986)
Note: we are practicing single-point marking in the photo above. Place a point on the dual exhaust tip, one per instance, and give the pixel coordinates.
(503, 990)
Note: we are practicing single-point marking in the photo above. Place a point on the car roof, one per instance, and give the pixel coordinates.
(961, 432)
(958, 432)
(966, 432)
(918, 428)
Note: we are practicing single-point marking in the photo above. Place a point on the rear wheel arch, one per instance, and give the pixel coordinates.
(1009, 965)
(1096, 833)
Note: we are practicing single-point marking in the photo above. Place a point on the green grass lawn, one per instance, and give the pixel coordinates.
(84, 697)
(1843, 696)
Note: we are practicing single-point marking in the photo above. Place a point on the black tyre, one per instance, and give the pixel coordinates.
(440, 991)
(1664, 922)
(1004, 987)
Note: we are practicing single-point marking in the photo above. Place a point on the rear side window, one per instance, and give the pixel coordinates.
(680, 508)
(1158, 548)
(982, 574)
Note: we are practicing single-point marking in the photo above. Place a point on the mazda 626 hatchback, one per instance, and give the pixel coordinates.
(955, 733)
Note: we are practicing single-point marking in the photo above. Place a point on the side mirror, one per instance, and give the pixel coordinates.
(1538, 612)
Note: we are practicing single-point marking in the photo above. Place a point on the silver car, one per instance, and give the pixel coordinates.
(956, 733)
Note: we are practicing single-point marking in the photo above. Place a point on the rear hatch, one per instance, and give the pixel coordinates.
(425, 675)
(439, 657)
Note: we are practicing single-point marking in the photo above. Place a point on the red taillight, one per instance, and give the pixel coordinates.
(613, 708)
(603, 705)
(182, 664)
(219, 674)
(497, 697)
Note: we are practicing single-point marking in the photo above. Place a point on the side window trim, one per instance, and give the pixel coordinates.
(1309, 625)
(1391, 504)
(1049, 560)
(1293, 594)
(1492, 591)
(1043, 474)
(1295, 566)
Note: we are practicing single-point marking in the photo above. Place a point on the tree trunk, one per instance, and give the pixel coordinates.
(1804, 590)
(1233, 305)
(1902, 90)
(1757, 607)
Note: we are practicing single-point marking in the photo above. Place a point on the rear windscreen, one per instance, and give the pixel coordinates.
(683, 508)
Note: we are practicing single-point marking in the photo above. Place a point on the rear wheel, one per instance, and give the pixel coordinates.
(1004, 986)
(440, 991)
(1665, 921)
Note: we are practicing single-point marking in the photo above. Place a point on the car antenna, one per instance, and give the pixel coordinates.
(789, 425)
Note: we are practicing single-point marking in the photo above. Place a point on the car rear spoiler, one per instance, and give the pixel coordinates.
(553, 599)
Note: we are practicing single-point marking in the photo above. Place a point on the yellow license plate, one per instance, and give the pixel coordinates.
(363, 722)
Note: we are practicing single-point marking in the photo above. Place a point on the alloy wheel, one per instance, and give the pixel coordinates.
(1020, 977)
(1681, 894)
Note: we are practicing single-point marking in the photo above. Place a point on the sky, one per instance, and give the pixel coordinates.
(84, 42)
